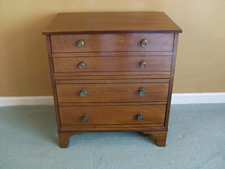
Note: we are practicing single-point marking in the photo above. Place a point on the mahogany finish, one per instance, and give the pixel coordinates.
(114, 92)
(113, 64)
(113, 42)
(120, 114)
(83, 22)
(112, 71)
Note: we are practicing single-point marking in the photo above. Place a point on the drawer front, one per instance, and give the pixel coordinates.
(113, 64)
(112, 42)
(112, 92)
(151, 114)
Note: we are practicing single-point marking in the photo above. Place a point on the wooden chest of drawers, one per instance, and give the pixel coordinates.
(112, 72)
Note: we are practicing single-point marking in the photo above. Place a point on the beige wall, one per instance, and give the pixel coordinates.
(23, 57)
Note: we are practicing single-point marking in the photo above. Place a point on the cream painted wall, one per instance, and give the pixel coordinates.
(23, 56)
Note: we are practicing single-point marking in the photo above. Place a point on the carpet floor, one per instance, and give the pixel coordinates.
(196, 140)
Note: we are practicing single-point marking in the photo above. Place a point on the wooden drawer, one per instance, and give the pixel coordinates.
(139, 114)
(112, 42)
(132, 91)
(113, 64)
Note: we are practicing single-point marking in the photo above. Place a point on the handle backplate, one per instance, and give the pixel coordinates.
(84, 119)
(142, 64)
(141, 92)
(82, 65)
(83, 93)
(80, 43)
(143, 43)
(139, 117)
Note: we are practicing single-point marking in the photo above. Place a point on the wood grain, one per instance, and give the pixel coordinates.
(113, 64)
(126, 92)
(112, 42)
(159, 137)
(153, 114)
(112, 76)
(77, 22)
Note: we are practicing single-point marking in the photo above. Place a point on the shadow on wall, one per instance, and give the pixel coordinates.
(24, 65)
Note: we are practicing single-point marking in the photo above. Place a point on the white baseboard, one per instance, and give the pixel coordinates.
(26, 100)
(177, 98)
(198, 98)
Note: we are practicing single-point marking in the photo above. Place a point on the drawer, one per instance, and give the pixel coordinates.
(150, 114)
(113, 64)
(112, 42)
(112, 92)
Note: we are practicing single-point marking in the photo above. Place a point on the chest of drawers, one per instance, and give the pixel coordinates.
(112, 72)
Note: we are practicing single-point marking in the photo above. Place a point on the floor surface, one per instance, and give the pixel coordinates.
(196, 140)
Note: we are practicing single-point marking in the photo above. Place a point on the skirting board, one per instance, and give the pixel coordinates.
(177, 98)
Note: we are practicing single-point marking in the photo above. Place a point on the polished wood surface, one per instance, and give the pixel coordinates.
(112, 75)
(115, 92)
(158, 137)
(112, 72)
(111, 22)
(119, 114)
(64, 138)
(113, 64)
(113, 54)
(113, 42)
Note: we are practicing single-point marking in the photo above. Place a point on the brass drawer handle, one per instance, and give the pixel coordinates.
(84, 119)
(83, 93)
(142, 64)
(80, 43)
(139, 117)
(143, 43)
(82, 65)
(141, 92)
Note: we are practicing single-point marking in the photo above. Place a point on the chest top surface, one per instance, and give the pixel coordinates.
(87, 22)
